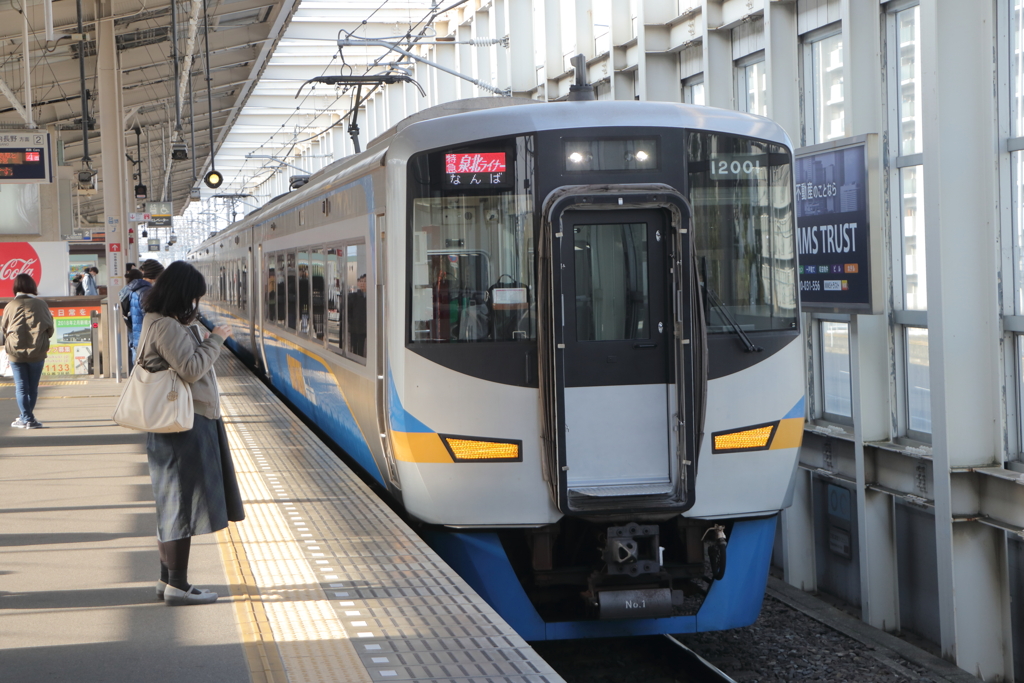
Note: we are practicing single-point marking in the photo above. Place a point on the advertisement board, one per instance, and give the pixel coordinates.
(71, 345)
(838, 249)
(46, 262)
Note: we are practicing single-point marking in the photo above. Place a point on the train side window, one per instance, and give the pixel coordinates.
(291, 297)
(316, 278)
(303, 293)
(355, 300)
(282, 291)
(271, 288)
(243, 287)
(335, 297)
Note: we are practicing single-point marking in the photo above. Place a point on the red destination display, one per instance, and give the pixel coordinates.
(476, 170)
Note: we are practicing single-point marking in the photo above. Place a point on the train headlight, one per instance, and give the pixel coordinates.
(576, 157)
(754, 438)
(466, 449)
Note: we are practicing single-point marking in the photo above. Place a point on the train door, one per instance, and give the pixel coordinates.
(616, 360)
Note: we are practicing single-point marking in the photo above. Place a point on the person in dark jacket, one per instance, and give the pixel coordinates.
(151, 270)
(26, 328)
(79, 287)
(132, 277)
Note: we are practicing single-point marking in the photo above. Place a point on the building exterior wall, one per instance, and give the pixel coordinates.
(915, 411)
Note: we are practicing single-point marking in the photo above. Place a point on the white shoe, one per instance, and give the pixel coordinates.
(161, 586)
(194, 596)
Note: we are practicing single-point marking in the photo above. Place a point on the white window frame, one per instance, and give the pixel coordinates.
(902, 317)
(808, 112)
(740, 84)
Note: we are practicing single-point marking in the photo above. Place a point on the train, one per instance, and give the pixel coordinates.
(563, 336)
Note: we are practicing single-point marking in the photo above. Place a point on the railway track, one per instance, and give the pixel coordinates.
(642, 659)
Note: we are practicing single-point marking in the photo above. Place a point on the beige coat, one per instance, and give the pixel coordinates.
(26, 328)
(166, 342)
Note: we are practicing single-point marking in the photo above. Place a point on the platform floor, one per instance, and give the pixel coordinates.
(321, 582)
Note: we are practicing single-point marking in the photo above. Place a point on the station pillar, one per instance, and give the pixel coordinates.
(963, 269)
(114, 176)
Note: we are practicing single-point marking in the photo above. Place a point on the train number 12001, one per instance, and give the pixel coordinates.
(735, 166)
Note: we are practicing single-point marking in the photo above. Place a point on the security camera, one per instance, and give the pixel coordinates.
(85, 179)
(179, 151)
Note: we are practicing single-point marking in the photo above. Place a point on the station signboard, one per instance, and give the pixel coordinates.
(837, 241)
(159, 214)
(24, 156)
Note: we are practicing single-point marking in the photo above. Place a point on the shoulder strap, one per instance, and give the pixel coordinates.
(142, 341)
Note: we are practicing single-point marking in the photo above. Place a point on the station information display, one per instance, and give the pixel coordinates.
(833, 235)
(24, 156)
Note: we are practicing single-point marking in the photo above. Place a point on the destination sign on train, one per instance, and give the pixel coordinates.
(476, 170)
(832, 230)
(23, 157)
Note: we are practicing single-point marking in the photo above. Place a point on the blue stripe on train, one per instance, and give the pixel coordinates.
(322, 402)
(735, 601)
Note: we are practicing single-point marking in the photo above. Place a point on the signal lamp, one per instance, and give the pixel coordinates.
(213, 180)
(754, 438)
(140, 191)
(475, 450)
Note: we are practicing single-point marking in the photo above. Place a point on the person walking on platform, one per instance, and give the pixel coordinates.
(26, 328)
(193, 476)
(89, 281)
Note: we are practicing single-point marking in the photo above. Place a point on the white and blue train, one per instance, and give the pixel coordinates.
(564, 337)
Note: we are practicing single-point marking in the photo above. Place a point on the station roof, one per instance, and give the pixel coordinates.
(242, 37)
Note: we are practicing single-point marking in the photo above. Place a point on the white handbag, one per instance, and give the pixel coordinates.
(155, 401)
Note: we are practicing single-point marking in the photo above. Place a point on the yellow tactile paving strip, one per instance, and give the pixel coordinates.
(330, 584)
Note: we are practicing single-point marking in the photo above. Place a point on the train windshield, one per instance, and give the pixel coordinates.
(472, 251)
(743, 220)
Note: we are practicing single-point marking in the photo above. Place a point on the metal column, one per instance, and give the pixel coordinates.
(962, 229)
(870, 339)
(114, 175)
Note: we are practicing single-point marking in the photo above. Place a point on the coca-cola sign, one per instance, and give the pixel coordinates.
(17, 258)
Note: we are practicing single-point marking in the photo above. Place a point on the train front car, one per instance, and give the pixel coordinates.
(594, 376)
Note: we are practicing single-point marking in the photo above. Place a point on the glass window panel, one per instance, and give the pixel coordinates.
(1020, 391)
(827, 76)
(742, 194)
(919, 403)
(243, 286)
(907, 25)
(1017, 187)
(835, 368)
(290, 277)
(355, 300)
(282, 291)
(472, 256)
(752, 88)
(302, 295)
(335, 298)
(915, 285)
(611, 282)
(316, 273)
(1017, 68)
(695, 93)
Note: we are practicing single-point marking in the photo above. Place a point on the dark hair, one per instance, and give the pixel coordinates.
(24, 284)
(94, 269)
(175, 292)
(151, 269)
(132, 275)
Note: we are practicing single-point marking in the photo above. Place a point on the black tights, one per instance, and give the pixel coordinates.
(174, 561)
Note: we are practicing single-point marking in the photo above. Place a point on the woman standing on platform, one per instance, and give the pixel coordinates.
(26, 328)
(193, 477)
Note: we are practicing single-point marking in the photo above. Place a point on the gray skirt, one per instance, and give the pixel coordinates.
(194, 482)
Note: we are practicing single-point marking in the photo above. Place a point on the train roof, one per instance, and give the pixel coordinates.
(481, 117)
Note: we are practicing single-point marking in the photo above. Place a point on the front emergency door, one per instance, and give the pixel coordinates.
(617, 362)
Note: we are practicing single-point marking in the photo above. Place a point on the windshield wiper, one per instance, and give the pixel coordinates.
(712, 298)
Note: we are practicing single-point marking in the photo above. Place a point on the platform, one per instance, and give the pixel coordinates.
(321, 582)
